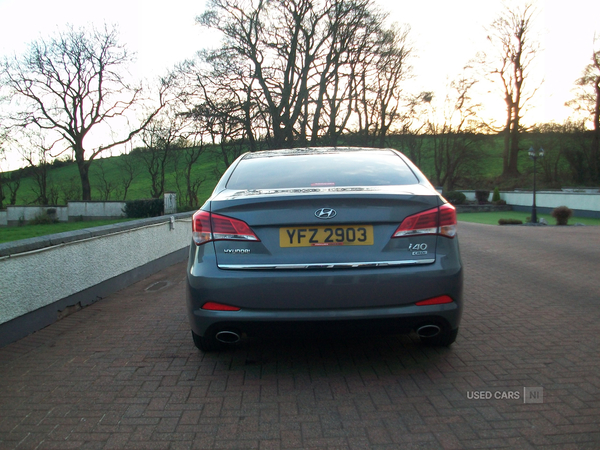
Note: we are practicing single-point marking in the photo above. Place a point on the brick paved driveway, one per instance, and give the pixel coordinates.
(123, 373)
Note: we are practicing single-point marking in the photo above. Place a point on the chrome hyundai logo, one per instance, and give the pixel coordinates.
(325, 213)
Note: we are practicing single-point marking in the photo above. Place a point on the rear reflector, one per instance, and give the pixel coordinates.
(435, 301)
(208, 227)
(440, 221)
(213, 306)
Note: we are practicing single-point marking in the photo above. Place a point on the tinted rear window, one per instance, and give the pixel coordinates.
(360, 168)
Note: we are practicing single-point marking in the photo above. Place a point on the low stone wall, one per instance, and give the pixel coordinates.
(40, 277)
(583, 204)
(95, 210)
(482, 208)
(16, 215)
(77, 211)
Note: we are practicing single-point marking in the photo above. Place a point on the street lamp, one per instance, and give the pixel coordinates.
(533, 155)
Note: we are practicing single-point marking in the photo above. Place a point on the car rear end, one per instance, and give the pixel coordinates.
(324, 241)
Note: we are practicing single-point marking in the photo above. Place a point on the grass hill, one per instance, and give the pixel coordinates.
(480, 169)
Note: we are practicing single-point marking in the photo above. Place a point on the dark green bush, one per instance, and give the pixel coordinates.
(562, 214)
(500, 202)
(482, 196)
(45, 219)
(510, 222)
(496, 195)
(144, 208)
(456, 197)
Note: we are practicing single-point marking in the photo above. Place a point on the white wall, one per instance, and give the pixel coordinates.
(16, 213)
(574, 200)
(33, 279)
(96, 209)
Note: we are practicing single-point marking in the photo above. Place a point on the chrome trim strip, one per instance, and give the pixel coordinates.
(353, 265)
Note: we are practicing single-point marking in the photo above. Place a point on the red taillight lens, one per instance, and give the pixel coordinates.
(447, 220)
(231, 229)
(201, 229)
(435, 301)
(440, 221)
(213, 306)
(212, 227)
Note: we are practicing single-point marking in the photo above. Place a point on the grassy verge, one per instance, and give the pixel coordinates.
(9, 234)
(491, 218)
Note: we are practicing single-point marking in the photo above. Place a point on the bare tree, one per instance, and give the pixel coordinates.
(9, 183)
(72, 84)
(161, 138)
(36, 152)
(129, 167)
(588, 101)
(511, 36)
(106, 184)
(13, 183)
(557, 140)
(2, 176)
(456, 138)
(301, 71)
(186, 178)
(69, 190)
(409, 138)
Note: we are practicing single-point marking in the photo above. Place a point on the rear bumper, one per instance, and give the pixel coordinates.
(321, 301)
(326, 322)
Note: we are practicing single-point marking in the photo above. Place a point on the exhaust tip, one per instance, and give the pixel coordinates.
(428, 331)
(227, 337)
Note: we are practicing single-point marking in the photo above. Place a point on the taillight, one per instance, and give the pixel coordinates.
(442, 299)
(213, 227)
(201, 229)
(441, 221)
(214, 306)
(447, 220)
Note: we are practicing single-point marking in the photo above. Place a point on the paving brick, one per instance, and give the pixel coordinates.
(124, 374)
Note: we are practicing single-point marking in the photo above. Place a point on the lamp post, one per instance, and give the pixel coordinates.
(533, 155)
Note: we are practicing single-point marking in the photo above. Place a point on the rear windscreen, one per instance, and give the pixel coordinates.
(359, 168)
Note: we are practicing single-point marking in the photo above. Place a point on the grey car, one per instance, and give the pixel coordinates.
(322, 241)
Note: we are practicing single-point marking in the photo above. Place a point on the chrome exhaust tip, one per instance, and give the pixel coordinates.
(227, 337)
(428, 331)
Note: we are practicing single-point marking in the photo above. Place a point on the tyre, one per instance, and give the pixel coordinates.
(206, 343)
(444, 339)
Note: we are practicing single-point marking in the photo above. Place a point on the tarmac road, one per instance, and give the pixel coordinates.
(123, 373)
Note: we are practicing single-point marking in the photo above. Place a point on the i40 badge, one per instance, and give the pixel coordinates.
(418, 249)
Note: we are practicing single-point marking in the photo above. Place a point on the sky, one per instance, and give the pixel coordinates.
(445, 34)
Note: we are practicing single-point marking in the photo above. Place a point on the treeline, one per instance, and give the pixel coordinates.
(147, 172)
(299, 73)
(286, 73)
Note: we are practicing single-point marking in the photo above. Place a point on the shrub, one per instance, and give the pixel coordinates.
(45, 219)
(562, 215)
(500, 202)
(496, 195)
(510, 222)
(456, 197)
(482, 196)
(144, 208)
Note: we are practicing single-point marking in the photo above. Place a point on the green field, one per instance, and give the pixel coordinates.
(9, 234)
(491, 218)
(480, 172)
(66, 182)
(483, 173)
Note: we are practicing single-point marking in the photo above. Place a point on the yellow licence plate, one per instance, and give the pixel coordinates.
(322, 236)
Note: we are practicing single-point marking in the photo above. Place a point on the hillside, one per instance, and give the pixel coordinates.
(480, 167)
